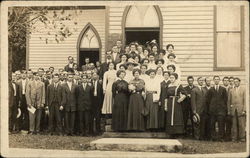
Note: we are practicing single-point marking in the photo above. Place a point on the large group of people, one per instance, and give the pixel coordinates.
(138, 87)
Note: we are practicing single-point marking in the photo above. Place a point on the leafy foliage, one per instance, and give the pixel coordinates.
(49, 21)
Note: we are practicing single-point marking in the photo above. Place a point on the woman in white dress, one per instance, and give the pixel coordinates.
(109, 78)
(172, 61)
(159, 74)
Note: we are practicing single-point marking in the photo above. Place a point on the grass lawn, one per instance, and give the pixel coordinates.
(82, 143)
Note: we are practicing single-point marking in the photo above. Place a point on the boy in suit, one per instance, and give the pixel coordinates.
(54, 103)
(97, 102)
(198, 108)
(216, 100)
(24, 118)
(13, 105)
(69, 93)
(237, 109)
(84, 106)
(35, 96)
(186, 106)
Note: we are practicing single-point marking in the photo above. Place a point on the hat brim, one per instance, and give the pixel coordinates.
(129, 63)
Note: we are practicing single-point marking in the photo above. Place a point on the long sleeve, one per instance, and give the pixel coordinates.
(193, 101)
(244, 99)
(158, 90)
(43, 94)
(27, 94)
(229, 100)
(104, 85)
(47, 95)
(64, 96)
(114, 89)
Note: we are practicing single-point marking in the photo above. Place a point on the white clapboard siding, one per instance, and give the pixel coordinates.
(55, 54)
(190, 29)
(115, 19)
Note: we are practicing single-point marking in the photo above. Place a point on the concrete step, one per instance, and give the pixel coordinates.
(136, 144)
(108, 128)
(163, 135)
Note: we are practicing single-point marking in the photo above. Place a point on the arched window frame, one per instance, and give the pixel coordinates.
(81, 35)
(124, 17)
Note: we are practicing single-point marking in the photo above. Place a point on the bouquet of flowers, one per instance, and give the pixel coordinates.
(131, 87)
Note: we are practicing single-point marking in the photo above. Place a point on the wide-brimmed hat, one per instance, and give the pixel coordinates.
(150, 70)
(131, 61)
(196, 118)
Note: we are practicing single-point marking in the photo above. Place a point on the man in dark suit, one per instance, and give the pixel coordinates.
(54, 103)
(186, 106)
(104, 66)
(69, 93)
(198, 108)
(97, 102)
(70, 66)
(13, 105)
(87, 65)
(119, 47)
(228, 119)
(115, 55)
(216, 100)
(84, 106)
(24, 118)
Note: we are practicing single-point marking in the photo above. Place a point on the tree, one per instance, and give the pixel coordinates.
(22, 21)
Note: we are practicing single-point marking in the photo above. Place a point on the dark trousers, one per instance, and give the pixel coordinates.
(55, 123)
(13, 121)
(228, 127)
(24, 118)
(97, 111)
(44, 121)
(187, 114)
(199, 129)
(62, 117)
(69, 122)
(85, 122)
(35, 120)
(221, 125)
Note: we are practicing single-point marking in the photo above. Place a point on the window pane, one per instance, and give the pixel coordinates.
(228, 18)
(228, 50)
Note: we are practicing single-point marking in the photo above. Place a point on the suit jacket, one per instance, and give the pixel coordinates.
(103, 69)
(35, 94)
(20, 89)
(84, 99)
(97, 100)
(187, 101)
(51, 93)
(86, 67)
(13, 100)
(163, 95)
(68, 69)
(237, 98)
(116, 59)
(198, 100)
(217, 101)
(69, 97)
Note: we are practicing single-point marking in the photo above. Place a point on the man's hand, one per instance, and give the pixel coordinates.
(61, 107)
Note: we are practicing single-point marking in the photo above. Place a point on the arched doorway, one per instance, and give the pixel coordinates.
(142, 24)
(88, 45)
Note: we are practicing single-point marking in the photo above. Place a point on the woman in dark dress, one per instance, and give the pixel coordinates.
(120, 107)
(163, 96)
(136, 103)
(175, 95)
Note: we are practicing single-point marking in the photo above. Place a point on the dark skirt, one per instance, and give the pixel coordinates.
(120, 112)
(162, 117)
(135, 110)
(152, 117)
(178, 125)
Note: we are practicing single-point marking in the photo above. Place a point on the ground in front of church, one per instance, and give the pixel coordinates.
(82, 143)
